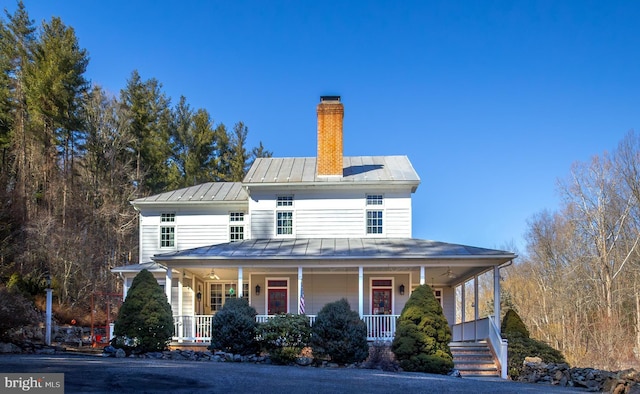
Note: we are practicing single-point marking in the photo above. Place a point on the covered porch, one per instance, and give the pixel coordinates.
(376, 276)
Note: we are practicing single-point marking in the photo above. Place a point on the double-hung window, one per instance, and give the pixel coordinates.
(375, 214)
(167, 230)
(236, 226)
(284, 216)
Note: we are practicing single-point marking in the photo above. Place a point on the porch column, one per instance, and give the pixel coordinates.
(167, 285)
(422, 275)
(463, 309)
(193, 295)
(301, 310)
(360, 291)
(180, 293)
(496, 296)
(476, 310)
(239, 290)
(182, 330)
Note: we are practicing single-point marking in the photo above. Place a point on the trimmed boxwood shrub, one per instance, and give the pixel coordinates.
(284, 337)
(421, 343)
(520, 345)
(340, 334)
(145, 320)
(234, 328)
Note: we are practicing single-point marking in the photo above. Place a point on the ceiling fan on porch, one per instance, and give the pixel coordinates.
(213, 276)
(450, 274)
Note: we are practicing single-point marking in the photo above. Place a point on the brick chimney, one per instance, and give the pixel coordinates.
(330, 114)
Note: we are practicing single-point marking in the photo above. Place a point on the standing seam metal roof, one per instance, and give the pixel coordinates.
(205, 192)
(355, 169)
(336, 248)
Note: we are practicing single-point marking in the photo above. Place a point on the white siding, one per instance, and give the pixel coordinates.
(201, 235)
(262, 224)
(398, 223)
(194, 227)
(331, 213)
(342, 223)
(449, 307)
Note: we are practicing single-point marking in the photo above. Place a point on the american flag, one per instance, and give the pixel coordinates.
(301, 311)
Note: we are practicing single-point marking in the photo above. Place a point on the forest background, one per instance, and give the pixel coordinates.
(73, 156)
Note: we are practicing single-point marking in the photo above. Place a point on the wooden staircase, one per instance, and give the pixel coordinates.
(474, 359)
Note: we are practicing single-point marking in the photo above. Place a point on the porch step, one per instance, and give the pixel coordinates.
(474, 359)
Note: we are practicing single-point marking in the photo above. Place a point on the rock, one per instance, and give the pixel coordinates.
(9, 348)
(304, 361)
(109, 350)
(46, 350)
(333, 365)
(532, 360)
(120, 353)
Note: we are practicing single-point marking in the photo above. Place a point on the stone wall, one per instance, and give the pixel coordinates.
(594, 380)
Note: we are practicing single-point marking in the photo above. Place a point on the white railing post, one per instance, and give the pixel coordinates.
(499, 346)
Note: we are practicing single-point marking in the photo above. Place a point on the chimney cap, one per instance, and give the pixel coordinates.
(329, 98)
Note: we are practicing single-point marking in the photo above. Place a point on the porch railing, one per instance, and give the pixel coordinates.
(471, 330)
(484, 329)
(197, 328)
(499, 346)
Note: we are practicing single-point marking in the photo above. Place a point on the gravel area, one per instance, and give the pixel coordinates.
(95, 374)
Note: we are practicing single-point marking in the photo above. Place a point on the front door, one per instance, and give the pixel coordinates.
(381, 301)
(277, 301)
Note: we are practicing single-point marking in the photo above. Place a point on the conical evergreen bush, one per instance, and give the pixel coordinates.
(421, 343)
(145, 320)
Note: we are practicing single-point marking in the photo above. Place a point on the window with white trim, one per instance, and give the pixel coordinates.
(167, 230)
(374, 199)
(284, 223)
(284, 201)
(236, 226)
(374, 215)
(220, 292)
(284, 219)
(374, 222)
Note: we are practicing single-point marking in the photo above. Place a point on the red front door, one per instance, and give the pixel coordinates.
(277, 301)
(381, 301)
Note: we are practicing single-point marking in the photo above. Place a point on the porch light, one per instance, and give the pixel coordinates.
(401, 288)
(199, 296)
(257, 289)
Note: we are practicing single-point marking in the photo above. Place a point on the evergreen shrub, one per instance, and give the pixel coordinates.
(145, 320)
(513, 324)
(284, 337)
(421, 343)
(520, 345)
(340, 334)
(234, 328)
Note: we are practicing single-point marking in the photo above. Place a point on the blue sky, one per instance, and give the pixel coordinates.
(491, 100)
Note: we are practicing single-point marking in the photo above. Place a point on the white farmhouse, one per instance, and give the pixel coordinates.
(300, 232)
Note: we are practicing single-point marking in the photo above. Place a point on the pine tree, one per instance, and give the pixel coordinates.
(149, 117)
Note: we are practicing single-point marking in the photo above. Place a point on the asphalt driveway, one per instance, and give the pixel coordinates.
(93, 374)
